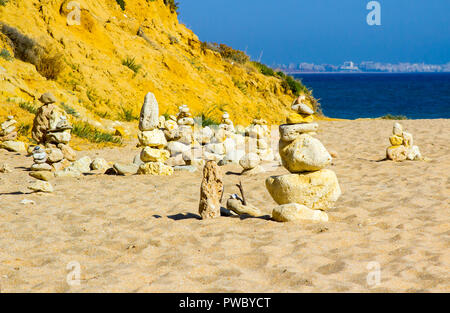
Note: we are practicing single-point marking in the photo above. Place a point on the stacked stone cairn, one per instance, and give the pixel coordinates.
(8, 136)
(309, 189)
(8, 130)
(153, 140)
(402, 146)
(52, 155)
(191, 145)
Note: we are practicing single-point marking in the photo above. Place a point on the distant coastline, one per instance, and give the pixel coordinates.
(299, 73)
(363, 67)
(365, 95)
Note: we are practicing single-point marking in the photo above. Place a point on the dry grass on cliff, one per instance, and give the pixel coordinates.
(48, 63)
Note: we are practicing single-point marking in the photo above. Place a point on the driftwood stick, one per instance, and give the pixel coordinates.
(241, 189)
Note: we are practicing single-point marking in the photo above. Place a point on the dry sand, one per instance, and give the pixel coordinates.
(142, 233)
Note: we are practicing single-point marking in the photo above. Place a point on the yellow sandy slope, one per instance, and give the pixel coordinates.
(97, 85)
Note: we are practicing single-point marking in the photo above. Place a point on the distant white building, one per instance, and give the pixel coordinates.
(349, 66)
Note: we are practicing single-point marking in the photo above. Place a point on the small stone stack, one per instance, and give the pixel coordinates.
(402, 146)
(310, 189)
(185, 123)
(8, 136)
(8, 130)
(52, 131)
(153, 155)
(227, 123)
(251, 164)
(259, 140)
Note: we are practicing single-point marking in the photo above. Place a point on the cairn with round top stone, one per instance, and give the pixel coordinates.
(309, 189)
(402, 146)
(53, 154)
(153, 140)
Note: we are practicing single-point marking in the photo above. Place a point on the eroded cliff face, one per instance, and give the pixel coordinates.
(100, 88)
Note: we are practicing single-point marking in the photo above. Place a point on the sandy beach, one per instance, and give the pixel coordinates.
(143, 233)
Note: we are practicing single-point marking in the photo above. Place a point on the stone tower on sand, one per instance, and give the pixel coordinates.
(309, 189)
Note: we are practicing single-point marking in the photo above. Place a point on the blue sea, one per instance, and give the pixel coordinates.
(370, 95)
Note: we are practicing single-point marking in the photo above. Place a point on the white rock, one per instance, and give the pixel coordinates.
(53, 155)
(192, 154)
(398, 129)
(254, 171)
(154, 155)
(235, 156)
(100, 164)
(293, 212)
(176, 147)
(37, 167)
(229, 145)
(82, 165)
(211, 157)
(413, 153)
(249, 161)
(170, 125)
(316, 190)
(69, 172)
(217, 148)
(14, 146)
(266, 155)
(257, 131)
(305, 153)
(302, 108)
(58, 137)
(41, 186)
(289, 133)
(153, 138)
(137, 160)
(40, 157)
(408, 139)
(186, 121)
(126, 169)
(149, 117)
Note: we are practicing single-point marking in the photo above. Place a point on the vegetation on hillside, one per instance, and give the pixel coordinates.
(48, 62)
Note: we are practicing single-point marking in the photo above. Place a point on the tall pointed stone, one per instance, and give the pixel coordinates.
(211, 191)
(149, 118)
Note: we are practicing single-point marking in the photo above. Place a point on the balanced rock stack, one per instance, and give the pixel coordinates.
(52, 155)
(153, 155)
(251, 164)
(52, 130)
(402, 146)
(259, 140)
(8, 136)
(310, 189)
(227, 123)
(8, 129)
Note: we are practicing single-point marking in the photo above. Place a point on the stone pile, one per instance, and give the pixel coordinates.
(227, 123)
(8, 129)
(153, 140)
(52, 155)
(402, 146)
(8, 136)
(309, 189)
(258, 140)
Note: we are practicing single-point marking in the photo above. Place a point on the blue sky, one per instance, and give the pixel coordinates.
(324, 31)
